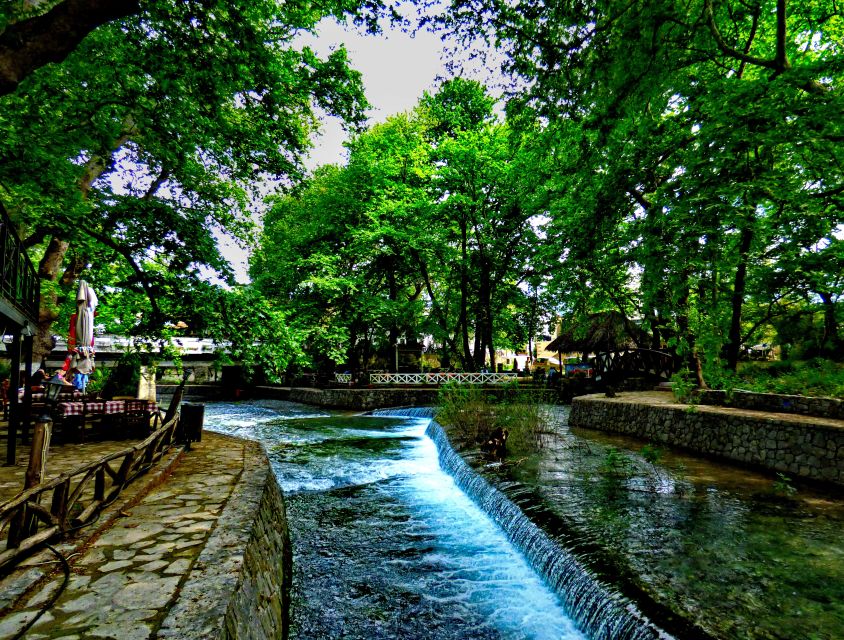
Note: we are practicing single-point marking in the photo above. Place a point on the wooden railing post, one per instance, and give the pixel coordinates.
(22, 514)
(59, 505)
(38, 453)
(36, 469)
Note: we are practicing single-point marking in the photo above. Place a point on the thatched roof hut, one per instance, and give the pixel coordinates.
(604, 331)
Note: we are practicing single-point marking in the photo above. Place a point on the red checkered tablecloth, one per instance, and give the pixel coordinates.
(40, 396)
(104, 407)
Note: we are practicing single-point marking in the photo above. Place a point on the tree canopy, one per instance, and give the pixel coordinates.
(423, 233)
(696, 150)
(158, 134)
(676, 164)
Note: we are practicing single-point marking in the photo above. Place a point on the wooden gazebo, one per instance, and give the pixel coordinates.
(597, 332)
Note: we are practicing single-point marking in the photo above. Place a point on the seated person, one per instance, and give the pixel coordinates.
(37, 379)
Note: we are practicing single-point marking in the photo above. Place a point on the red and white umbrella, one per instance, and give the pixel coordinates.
(81, 341)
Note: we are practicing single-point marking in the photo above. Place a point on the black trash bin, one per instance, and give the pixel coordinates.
(190, 422)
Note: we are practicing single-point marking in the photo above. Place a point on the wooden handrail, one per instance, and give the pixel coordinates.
(73, 506)
(655, 364)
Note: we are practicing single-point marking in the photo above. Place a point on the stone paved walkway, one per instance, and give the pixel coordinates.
(667, 398)
(126, 576)
(61, 458)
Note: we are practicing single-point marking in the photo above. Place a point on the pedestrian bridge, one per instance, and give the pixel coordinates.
(614, 366)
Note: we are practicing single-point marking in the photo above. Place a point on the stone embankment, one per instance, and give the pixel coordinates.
(362, 399)
(805, 446)
(200, 549)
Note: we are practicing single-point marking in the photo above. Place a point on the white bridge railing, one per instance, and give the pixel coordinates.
(432, 378)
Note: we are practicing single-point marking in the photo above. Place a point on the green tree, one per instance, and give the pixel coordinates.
(695, 142)
(423, 233)
(155, 136)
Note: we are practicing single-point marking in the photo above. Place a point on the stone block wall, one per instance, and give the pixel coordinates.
(363, 399)
(260, 607)
(239, 586)
(801, 405)
(800, 448)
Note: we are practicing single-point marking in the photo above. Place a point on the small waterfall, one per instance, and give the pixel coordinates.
(403, 412)
(598, 611)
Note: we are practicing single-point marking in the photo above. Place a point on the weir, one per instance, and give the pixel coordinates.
(595, 607)
(385, 544)
(404, 412)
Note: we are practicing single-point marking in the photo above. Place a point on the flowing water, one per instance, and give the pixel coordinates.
(385, 544)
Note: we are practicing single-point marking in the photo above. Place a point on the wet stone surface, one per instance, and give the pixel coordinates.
(123, 584)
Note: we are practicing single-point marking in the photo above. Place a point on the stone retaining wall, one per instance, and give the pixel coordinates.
(260, 608)
(801, 405)
(239, 587)
(800, 448)
(356, 399)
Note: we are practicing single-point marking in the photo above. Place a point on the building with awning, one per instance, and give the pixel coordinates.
(19, 299)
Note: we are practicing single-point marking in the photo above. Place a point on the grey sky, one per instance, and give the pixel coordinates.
(397, 68)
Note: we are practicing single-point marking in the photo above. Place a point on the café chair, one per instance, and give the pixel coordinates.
(136, 418)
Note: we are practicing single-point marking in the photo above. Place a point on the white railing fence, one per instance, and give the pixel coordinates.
(432, 378)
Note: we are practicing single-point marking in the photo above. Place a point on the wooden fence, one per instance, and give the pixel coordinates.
(70, 501)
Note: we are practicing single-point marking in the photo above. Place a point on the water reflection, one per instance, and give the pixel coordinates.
(746, 555)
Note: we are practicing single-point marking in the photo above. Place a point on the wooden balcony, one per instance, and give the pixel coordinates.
(18, 279)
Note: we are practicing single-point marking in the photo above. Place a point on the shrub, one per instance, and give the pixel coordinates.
(815, 377)
(682, 386)
(463, 408)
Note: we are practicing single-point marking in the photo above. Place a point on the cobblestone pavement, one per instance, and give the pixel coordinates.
(667, 398)
(125, 578)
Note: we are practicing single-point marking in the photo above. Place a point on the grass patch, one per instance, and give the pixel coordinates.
(476, 417)
(815, 377)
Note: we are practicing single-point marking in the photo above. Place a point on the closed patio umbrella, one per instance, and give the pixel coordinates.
(86, 304)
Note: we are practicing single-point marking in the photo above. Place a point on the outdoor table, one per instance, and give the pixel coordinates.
(77, 416)
(40, 396)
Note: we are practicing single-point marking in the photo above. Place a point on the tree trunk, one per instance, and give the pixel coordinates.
(394, 329)
(450, 346)
(831, 344)
(468, 363)
(691, 356)
(737, 301)
(48, 270)
(29, 44)
(480, 342)
(354, 349)
(485, 305)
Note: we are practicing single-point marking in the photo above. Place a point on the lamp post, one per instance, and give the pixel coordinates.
(52, 388)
